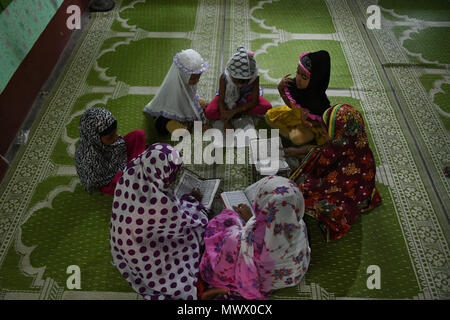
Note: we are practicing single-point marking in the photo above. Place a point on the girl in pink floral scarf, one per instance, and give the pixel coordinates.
(268, 252)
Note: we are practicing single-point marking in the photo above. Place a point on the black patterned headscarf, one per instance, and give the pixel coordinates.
(97, 163)
(242, 65)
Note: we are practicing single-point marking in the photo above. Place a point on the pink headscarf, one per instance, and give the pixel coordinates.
(269, 252)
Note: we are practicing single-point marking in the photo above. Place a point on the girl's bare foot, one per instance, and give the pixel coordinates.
(212, 292)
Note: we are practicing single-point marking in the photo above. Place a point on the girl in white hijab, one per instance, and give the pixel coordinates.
(177, 104)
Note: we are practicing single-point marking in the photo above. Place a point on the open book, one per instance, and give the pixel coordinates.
(266, 160)
(234, 198)
(237, 138)
(208, 187)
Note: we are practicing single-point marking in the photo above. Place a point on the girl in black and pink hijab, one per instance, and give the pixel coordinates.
(300, 119)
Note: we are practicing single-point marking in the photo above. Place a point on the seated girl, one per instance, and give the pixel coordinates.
(156, 239)
(338, 179)
(253, 255)
(176, 104)
(306, 100)
(239, 90)
(102, 154)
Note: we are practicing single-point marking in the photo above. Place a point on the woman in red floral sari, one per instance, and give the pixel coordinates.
(338, 178)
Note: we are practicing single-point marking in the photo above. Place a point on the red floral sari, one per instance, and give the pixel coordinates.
(338, 179)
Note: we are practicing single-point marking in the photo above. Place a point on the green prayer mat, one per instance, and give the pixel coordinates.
(397, 76)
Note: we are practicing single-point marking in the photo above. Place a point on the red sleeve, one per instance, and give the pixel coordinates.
(111, 187)
(327, 159)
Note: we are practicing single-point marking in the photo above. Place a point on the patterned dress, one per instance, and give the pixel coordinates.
(338, 179)
(95, 162)
(100, 166)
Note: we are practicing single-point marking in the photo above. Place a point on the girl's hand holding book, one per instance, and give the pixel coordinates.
(244, 211)
(296, 152)
(197, 194)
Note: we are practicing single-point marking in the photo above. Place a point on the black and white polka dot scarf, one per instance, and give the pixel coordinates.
(97, 163)
(156, 239)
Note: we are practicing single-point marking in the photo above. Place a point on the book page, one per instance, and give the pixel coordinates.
(250, 191)
(265, 162)
(186, 184)
(208, 188)
(234, 198)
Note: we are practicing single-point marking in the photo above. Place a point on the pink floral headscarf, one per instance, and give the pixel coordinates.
(269, 252)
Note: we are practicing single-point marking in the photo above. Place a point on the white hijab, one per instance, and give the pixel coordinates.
(176, 99)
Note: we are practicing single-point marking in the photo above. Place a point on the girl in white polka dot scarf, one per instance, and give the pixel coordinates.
(156, 239)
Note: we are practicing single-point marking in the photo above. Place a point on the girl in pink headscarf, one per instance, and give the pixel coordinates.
(268, 252)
